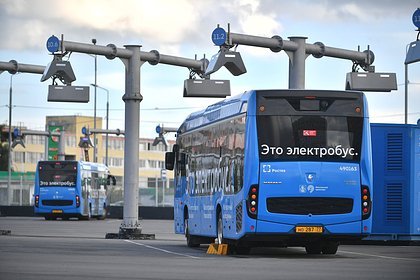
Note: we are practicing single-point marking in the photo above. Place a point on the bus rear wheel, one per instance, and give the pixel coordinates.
(219, 238)
(330, 248)
(313, 248)
(191, 240)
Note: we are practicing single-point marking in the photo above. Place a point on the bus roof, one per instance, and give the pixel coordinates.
(221, 110)
(237, 104)
(85, 165)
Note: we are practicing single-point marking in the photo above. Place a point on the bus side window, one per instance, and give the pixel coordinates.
(182, 164)
(182, 161)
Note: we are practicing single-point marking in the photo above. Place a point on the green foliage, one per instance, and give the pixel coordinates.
(4, 156)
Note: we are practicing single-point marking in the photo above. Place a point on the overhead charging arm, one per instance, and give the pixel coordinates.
(298, 50)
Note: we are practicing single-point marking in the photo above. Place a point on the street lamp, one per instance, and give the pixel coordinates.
(9, 165)
(95, 149)
(107, 120)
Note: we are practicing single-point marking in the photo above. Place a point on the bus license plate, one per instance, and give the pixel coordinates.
(57, 211)
(309, 229)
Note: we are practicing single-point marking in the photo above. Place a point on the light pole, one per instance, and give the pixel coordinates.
(9, 168)
(107, 120)
(95, 149)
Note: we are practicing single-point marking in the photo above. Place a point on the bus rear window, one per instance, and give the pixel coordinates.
(57, 174)
(309, 138)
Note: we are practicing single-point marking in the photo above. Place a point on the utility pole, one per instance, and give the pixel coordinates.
(95, 148)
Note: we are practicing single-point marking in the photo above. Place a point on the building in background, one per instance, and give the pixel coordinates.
(155, 185)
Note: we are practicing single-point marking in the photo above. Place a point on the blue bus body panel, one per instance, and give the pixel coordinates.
(57, 193)
(396, 158)
(311, 180)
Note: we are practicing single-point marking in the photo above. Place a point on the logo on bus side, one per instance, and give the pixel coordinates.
(266, 168)
(311, 188)
(310, 177)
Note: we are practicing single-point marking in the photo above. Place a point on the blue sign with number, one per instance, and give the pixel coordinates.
(158, 129)
(53, 44)
(218, 36)
(416, 18)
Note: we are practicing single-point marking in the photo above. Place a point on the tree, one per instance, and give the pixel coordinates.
(4, 156)
(4, 148)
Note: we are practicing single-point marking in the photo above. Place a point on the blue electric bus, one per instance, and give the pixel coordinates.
(65, 189)
(275, 168)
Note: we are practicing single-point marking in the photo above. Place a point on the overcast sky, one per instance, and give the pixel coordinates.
(183, 28)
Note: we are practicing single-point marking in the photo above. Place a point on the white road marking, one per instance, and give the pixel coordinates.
(162, 250)
(379, 256)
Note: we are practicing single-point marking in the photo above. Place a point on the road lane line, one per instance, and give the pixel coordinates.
(162, 250)
(379, 256)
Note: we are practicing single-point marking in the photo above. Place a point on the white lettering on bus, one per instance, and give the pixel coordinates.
(60, 184)
(305, 151)
(211, 180)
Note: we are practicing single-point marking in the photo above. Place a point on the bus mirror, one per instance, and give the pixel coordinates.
(111, 178)
(175, 148)
(169, 160)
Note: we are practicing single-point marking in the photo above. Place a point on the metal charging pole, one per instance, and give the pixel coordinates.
(297, 64)
(132, 99)
(132, 58)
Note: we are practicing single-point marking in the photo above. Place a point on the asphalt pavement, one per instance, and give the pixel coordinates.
(39, 249)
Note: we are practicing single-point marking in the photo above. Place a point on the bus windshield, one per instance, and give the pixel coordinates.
(309, 138)
(57, 174)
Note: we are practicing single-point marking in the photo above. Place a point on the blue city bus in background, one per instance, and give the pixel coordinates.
(65, 189)
(275, 168)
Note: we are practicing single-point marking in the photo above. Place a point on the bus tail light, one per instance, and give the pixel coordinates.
(366, 203)
(37, 201)
(252, 201)
(77, 201)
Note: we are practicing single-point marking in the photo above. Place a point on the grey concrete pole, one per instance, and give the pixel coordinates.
(297, 64)
(132, 99)
(61, 147)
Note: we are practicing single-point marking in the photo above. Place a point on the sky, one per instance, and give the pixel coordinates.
(183, 28)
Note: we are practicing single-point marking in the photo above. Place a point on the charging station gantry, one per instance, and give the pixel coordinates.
(133, 58)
